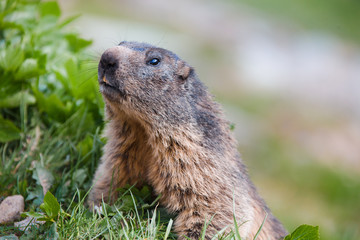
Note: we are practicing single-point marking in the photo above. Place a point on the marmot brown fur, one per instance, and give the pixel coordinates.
(165, 130)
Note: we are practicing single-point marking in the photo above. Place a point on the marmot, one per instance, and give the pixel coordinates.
(165, 130)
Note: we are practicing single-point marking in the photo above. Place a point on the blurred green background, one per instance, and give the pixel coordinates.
(288, 76)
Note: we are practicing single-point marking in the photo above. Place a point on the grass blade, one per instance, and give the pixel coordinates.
(168, 229)
(262, 224)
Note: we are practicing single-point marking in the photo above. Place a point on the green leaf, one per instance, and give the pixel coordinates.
(145, 191)
(49, 8)
(11, 58)
(22, 187)
(126, 203)
(79, 177)
(52, 105)
(9, 237)
(40, 99)
(43, 177)
(13, 101)
(85, 146)
(56, 109)
(28, 69)
(8, 131)
(50, 206)
(76, 44)
(304, 232)
(35, 194)
(32, 214)
(52, 233)
(68, 20)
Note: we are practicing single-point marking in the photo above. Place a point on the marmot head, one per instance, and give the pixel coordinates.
(155, 88)
(150, 83)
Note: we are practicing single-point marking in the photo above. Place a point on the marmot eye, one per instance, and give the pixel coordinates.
(154, 61)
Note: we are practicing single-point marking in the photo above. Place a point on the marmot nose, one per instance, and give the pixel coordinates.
(109, 59)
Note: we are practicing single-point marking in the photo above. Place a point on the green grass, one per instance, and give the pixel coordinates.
(125, 219)
(114, 223)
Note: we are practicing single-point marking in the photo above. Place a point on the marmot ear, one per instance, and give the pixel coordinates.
(183, 70)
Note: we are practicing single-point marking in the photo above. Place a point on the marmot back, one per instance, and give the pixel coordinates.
(165, 130)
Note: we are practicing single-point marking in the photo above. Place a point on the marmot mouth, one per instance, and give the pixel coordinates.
(109, 90)
(107, 85)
